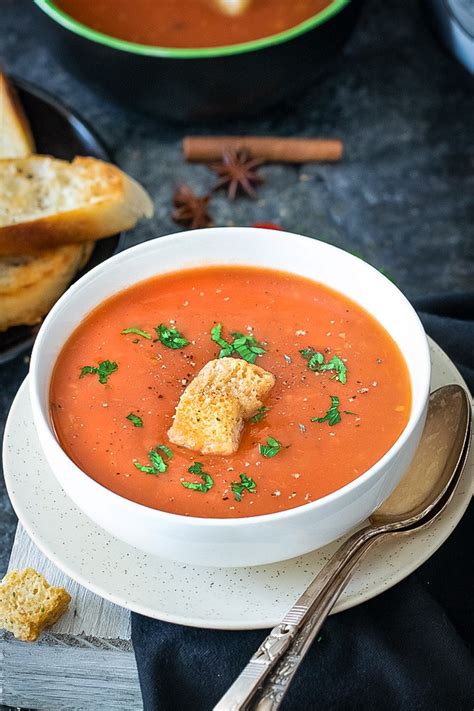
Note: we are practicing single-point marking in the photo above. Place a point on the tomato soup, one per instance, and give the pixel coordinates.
(189, 23)
(341, 398)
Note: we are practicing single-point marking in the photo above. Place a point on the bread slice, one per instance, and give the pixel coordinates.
(30, 285)
(46, 202)
(16, 140)
(211, 411)
(28, 603)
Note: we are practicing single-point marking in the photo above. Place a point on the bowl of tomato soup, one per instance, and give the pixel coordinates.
(187, 60)
(348, 362)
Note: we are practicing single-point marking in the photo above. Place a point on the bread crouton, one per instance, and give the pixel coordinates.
(211, 411)
(28, 603)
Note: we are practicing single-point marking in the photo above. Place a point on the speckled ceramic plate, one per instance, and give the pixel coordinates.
(225, 598)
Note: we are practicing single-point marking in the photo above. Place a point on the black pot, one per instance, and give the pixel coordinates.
(201, 84)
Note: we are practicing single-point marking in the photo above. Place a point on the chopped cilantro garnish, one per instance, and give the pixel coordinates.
(166, 450)
(137, 331)
(260, 414)
(246, 484)
(171, 337)
(332, 416)
(105, 368)
(207, 480)
(271, 448)
(338, 366)
(157, 461)
(226, 348)
(316, 363)
(135, 420)
(88, 369)
(158, 464)
(246, 346)
(146, 469)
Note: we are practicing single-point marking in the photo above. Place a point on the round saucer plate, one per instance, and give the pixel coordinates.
(218, 598)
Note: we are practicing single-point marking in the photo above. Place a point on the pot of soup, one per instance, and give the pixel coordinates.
(191, 60)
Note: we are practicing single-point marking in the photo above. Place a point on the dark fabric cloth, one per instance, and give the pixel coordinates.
(409, 649)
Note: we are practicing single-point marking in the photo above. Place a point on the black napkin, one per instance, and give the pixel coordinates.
(406, 650)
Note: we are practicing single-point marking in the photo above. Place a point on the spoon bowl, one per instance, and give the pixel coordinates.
(444, 442)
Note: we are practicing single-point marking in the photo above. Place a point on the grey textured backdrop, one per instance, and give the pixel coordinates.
(402, 197)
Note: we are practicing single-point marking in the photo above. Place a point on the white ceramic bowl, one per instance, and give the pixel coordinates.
(259, 539)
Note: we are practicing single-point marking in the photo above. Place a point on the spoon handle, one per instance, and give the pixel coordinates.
(278, 641)
(277, 684)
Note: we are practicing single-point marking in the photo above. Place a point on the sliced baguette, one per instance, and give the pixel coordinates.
(16, 140)
(30, 285)
(46, 202)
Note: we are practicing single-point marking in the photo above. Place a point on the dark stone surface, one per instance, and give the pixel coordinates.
(402, 197)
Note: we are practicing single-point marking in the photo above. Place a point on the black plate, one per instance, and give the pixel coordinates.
(59, 132)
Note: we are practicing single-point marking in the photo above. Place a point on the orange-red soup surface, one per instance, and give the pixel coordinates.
(285, 312)
(189, 23)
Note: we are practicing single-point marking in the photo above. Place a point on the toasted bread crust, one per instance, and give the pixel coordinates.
(28, 603)
(104, 201)
(211, 412)
(16, 140)
(29, 286)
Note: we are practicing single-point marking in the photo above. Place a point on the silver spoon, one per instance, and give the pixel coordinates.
(422, 494)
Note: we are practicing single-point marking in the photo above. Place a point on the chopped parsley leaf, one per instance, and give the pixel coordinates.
(271, 448)
(338, 366)
(87, 369)
(207, 480)
(157, 461)
(146, 469)
(260, 414)
(246, 484)
(226, 348)
(138, 332)
(332, 416)
(158, 464)
(166, 450)
(105, 368)
(171, 337)
(135, 420)
(316, 362)
(246, 346)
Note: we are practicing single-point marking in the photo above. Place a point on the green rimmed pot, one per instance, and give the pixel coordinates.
(205, 83)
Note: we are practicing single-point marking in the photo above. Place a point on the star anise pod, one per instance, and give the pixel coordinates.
(190, 210)
(237, 172)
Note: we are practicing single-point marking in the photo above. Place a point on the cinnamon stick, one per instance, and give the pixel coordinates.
(202, 149)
